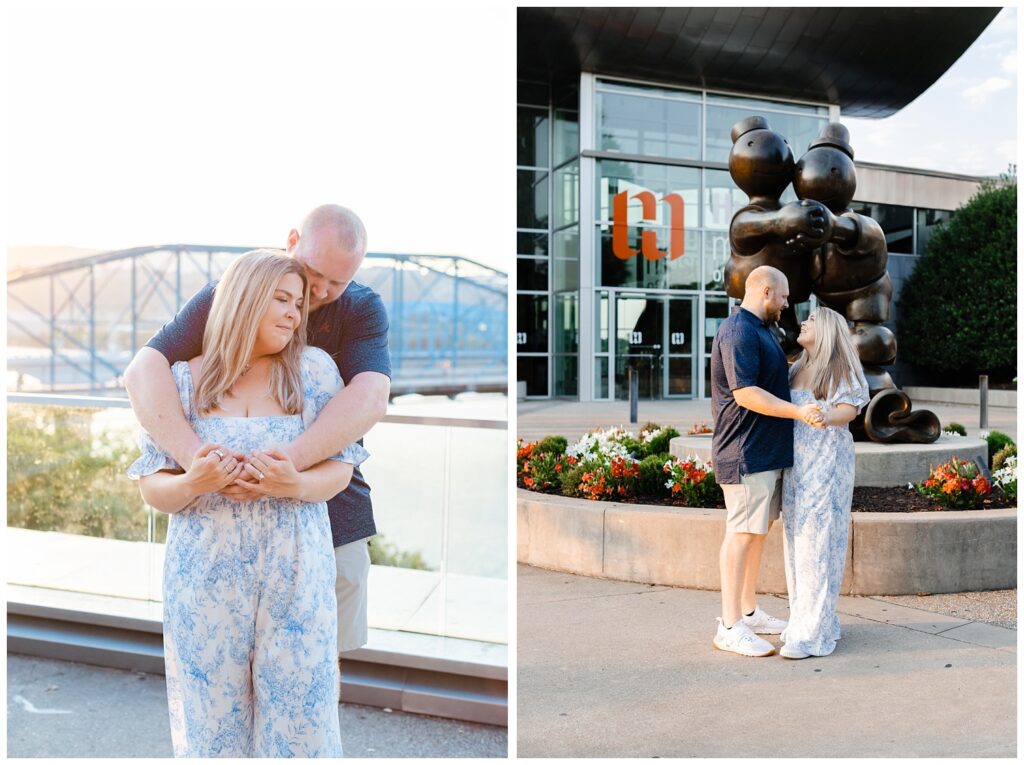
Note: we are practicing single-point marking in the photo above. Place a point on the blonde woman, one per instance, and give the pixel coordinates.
(250, 622)
(818, 490)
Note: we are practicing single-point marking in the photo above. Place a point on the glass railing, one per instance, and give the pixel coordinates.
(76, 522)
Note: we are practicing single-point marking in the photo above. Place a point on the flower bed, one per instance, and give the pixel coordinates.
(616, 464)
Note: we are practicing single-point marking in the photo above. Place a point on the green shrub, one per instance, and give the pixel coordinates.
(954, 427)
(1010, 450)
(659, 443)
(384, 553)
(996, 441)
(551, 445)
(958, 309)
(65, 474)
(571, 479)
(652, 475)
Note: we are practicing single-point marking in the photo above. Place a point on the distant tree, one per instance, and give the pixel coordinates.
(959, 307)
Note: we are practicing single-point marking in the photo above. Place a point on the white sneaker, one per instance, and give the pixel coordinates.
(791, 652)
(741, 640)
(764, 624)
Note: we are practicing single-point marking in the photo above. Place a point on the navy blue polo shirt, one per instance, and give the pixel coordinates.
(353, 330)
(746, 352)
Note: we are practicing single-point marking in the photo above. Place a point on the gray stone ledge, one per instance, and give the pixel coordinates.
(888, 554)
(920, 394)
(876, 464)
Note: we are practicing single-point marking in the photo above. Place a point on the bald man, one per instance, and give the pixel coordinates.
(752, 444)
(346, 319)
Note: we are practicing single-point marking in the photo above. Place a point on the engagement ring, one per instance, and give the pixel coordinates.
(219, 453)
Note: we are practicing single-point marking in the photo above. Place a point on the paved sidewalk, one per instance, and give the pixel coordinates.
(65, 709)
(614, 669)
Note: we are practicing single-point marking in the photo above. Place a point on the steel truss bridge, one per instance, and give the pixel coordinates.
(74, 326)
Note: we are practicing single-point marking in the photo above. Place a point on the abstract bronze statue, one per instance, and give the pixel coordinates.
(823, 247)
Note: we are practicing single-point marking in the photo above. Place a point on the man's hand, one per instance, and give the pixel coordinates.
(812, 415)
(212, 468)
(270, 473)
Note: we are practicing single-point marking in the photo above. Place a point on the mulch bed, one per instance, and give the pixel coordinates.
(869, 499)
(866, 499)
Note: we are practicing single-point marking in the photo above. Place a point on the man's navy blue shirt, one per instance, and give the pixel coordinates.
(746, 352)
(353, 330)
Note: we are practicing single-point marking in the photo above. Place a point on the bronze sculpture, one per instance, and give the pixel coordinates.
(824, 248)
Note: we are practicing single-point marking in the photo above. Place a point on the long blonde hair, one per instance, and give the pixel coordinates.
(833, 359)
(240, 300)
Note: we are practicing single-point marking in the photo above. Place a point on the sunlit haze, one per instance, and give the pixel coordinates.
(224, 123)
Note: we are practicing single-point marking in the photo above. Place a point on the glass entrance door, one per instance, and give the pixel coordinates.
(654, 336)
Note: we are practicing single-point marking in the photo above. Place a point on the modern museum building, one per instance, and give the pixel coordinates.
(624, 193)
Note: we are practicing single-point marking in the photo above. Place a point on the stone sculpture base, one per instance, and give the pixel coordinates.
(876, 464)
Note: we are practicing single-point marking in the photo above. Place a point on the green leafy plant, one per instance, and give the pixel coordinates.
(656, 441)
(996, 441)
(954, 427)
(552, 445)
(651, 481)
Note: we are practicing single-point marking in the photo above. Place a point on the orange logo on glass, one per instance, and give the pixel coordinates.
(648, 238)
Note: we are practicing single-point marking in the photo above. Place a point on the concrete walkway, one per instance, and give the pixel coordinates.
(614, 669)
(65, 709)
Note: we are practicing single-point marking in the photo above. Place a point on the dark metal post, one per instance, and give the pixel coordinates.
(634, 393)
(983, 396)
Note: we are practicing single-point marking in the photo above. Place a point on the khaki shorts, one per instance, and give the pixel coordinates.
(754, 503)
(351, 586)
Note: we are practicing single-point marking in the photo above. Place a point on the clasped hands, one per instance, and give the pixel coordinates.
(240, 477)
(813, 416)
(807, 224)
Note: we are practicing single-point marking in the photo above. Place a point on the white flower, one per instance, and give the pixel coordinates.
(983, 435)
(669, 483)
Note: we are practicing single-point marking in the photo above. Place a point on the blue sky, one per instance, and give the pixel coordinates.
(965, 123)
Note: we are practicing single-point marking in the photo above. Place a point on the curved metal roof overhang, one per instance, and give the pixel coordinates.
(870, 61)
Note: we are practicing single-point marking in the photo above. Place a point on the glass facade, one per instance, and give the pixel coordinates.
(548, 233)
(623, 272)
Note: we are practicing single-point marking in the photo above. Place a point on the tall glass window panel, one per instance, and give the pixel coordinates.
(532, 199)
(533, 135)
(528, 243)
(798, 130)
(716, 257)
(534, 371)
(637, 271)
(601, 377)
(567, 135)
(567, 195)
(716, 311)
(927, 220)
(567, 376)
(566, 258)
(722, 199)
(636, 180)
(652, 126)
(567, 333)
(602, 322)
(532, 323)
(532, 274)
(897, 224)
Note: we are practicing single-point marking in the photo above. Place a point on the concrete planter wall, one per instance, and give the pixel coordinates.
(888, 554)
